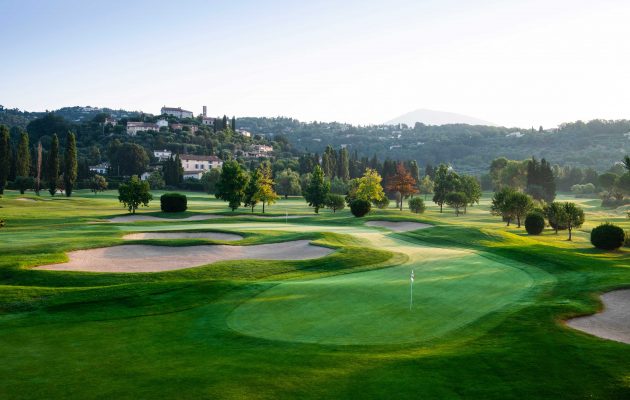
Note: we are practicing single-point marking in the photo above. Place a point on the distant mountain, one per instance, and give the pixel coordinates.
(432, 117)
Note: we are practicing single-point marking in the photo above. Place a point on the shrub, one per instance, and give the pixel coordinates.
(382, 203)
(626, 243)
(534, 223)
(417, 205)
(173, 202)
(1, 223)
(360, 207)
(335, 202)
(607, 237)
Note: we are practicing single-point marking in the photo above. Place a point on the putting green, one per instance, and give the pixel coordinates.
(452, 290)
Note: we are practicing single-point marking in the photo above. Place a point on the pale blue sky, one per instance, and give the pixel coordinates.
(514, 63)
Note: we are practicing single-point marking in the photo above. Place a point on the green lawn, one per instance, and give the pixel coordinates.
(486, 322)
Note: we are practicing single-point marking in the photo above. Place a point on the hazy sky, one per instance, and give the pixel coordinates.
(516, 63)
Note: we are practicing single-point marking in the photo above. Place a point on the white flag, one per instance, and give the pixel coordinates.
(412, 276)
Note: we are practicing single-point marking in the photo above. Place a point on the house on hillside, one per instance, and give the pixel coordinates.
(134, 127)
(176, 112)
(260, 150)
(100, 169)
(193, 164)
(181, 127)
(162, 155)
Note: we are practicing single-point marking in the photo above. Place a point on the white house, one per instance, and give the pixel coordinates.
(100, 169)
(193, 163)
(193, 174)
(162, 155)
(134, 127)
(244, 132)
(260, 150)
(176, 112)
(162, 123)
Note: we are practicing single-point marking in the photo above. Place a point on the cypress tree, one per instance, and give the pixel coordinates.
(23, 162)
(343, 165)
(5, 156)
(70, 163)
(53, 166)
(234, 124)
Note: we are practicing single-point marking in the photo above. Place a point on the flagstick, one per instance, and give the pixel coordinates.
(410, 295)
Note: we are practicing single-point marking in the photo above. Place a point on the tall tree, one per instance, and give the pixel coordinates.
(23, 162)
(317, 189)
(232, 184)
(173, 171)
(38, 178)
(233, 124)
(5, 156)
(403, 183)
(52, 173)
(470, 186)
(555, 214)
(329, 162)
(70, 164)
(343, 165)
(501, 204)
(426, 186)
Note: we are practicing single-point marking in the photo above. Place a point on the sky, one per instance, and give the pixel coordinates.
(515, 63)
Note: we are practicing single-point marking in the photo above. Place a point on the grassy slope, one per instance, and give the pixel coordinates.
(165, 335)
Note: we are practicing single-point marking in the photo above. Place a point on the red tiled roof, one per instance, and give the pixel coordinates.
(199, 158)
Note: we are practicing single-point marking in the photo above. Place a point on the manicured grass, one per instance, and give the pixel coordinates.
(486, 323)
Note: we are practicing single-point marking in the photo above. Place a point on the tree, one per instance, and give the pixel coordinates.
(607, 180)
(266, 194)
(5, 155)
(134, 193)
(470, 186)
(541, 183)
(98, 183)
(329, 162)
(70, 164)
(288, 183)
(456, 200)
(501, 206)
(343, 165)
(573, 216)
(250, 199)
(231, 186)
(426, 186)
(209, 180)
(53, 166)
(555, 215)
(317, 189)
(403, 183)
(520, 204)
(445, 181)
(23, 162)
(173, 171)
(24, 183)
(416, 205)
(38, 178)
(156, 181)
(369, 186)
(626, 163)
(130, 159)
(335, 202)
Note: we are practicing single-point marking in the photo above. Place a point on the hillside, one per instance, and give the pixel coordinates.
(433, 117)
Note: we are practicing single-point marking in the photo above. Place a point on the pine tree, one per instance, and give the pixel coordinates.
(250, 198)
(343, 165)
(317, 190)
(70, 164)
(23, 162)
(53, 166)
(231, 186)
(5, 156)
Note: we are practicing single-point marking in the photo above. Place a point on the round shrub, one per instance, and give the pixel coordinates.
(173, 202)
(607, 237)
(417, 205)
(360, 207)
(534, 223)
(383, 203)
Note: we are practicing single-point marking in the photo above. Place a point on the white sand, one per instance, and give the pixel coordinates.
(24, 199)
(182, 235)
(137, 218)
(399, 226)
(144, 258)
(613, 323)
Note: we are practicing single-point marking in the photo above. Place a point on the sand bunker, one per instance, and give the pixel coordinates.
(144, 258)
(182, 235)
(399, 226)
(24, 199)
(138, 218)
(613, 323)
